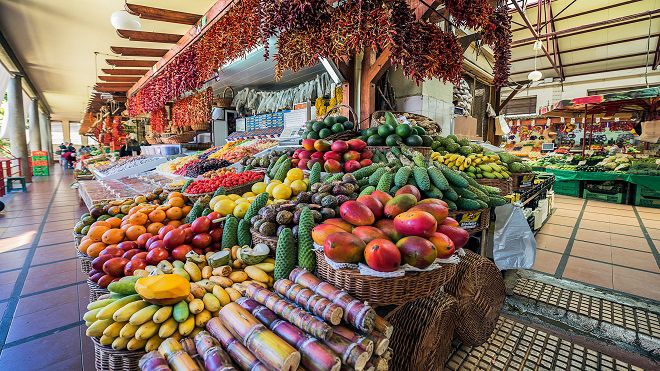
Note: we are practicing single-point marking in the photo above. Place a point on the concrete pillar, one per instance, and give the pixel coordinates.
(44, 123)
(84, 140)
(35, 128)
(66, 131)
(16, 124)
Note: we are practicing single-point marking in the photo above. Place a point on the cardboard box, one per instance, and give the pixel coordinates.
(466, 127)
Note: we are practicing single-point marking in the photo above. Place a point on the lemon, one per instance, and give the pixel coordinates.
(271, 185)
(214, 200)
(282, 192)
(295, 174)
(259, 187)
(234, 197)
(240, 209)
(287, 181)
(224, 207)
(298, 186)
(248, 194)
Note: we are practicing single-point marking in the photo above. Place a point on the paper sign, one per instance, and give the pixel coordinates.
(469, 220)
(294, 124)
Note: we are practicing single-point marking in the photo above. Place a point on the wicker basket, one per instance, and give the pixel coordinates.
(384, 291)
(95, 290)
(247, 187)
(271, 242)
(472, 223)
(193, 197)
(152, 138)
(522, 180)
(77, 237)
(503, 184)
(106, 358)
(479, 289)
(85, 262)
(200, 126)
(411, 116)
(178, 138)
(423, 331)
(224, 101)
(425, 151)
(348, 134)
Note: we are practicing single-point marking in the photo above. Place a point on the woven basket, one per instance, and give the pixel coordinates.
(346, 135)
(271, 242)
(519, 181)
(423, 331)
(77, 237)
(378, 114)
(479, 289)
(384, 291)
(95, 291)
(425, 151)
(239, 190)
(194, 197)
(85, 262)
(224, 101)
(178, 138)
(503, 184)
(472, 227)
(106, 358)
(200, 126)
(152, 139)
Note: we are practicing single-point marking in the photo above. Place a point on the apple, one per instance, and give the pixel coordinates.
(352, 155)
(156, 245)
(202, 240)
(113, 251)
(339, 146)
(151, 240)
(164, 229)
(351, 166)
(131, 253)
(179, 253)
(140, 255)
(115, 266)
(127, 245)
(156, 255)
(216, 234)
(142, 240)
(305, 155)
(175, 238)
(98, 262)
(134, 265)
(365, 162)
(308, 144)
(332, 166)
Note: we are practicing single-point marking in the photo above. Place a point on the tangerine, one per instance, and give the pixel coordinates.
(157, 216)
(138, 219)
(176, 201)
(95, 249)
(174, 194)
(174, 223)
(134, 231)
(174, 213)
(186, 209)
(96, 233)
(153, 228)
(114, 222)
(113, 236)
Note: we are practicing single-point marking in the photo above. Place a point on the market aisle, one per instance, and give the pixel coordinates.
(43, 293)
(602, 244)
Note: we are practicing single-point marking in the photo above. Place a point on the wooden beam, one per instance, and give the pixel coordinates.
(130, 63)
(508, 99)
(163, 15)
(152, 37)
(114, 85)
(138, 52)
(132, 79)
(124, 71)
(656, 57)
(110, 90)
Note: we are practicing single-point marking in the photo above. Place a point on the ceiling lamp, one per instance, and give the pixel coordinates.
(536, 75)
(122, 20)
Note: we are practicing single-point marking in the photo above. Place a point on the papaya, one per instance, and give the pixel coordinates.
(163, 289)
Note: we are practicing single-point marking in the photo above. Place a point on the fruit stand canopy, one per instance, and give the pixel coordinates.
(609, 104)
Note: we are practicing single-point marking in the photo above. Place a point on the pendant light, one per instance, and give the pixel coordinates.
(123, 20)
(536, 75)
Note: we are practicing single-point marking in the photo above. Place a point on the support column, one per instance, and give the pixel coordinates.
(16, 125)
(66, 131)
(46, 145)
(35, 128)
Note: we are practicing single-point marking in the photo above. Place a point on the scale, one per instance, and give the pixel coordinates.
(547, 147)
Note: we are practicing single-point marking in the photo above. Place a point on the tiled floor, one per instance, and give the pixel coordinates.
(602, 244)
(43, 293)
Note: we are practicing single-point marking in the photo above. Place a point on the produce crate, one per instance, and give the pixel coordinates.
(567, 187)
(617, 198)
(505, 185)
(472, 221)
(644, 201)
(647, 192)
(522, 180)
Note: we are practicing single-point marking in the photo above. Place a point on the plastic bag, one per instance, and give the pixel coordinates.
(514, 245)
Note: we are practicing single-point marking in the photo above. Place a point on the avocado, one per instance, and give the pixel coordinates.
(385, 130)
(348, 125)
(329, 121)
(427, 141)
(372, 131)
(337, 128)
(414, 141)
(393, 140)
(317, 126)
(452, 137)
(403, 130)
(324, 133)
(309, 125)
(313, 135)
(341, 119)
(419, 130)
(375, 140)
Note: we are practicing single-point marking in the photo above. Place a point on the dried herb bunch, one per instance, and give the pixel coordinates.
(497, 34)
(158, 120)
(470, 13)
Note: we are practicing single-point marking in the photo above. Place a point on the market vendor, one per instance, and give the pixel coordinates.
(69, 158)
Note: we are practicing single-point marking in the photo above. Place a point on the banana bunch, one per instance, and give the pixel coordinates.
(476, 165)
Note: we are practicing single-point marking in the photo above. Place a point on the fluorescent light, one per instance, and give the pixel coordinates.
(334, 75)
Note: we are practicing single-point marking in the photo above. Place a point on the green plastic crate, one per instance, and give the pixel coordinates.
(646, 201)
(617, 198)
(647, 192)
(567, 187)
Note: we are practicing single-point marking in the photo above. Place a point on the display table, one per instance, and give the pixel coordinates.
(648, 181)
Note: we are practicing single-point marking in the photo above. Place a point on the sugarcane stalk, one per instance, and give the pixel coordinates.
(307, 299)
(351, 354)
(381, 325)
(182, 361)
(377, 364)
(189, 346)
(215, 359)
(315, 355)
(270, 349)
(298, 317)
(153, 361)
(237, 351)
(356, 313)
(350, 335)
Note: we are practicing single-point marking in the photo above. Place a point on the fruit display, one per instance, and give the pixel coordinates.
(226, 180)
(173, 166)
(123, 164)
(476, 166)
(616, 163)
(387, 232)
(431, 127)
(321, 129)
(219, 172)
(204, 166)
(514, 163)
(265, 161)
(391, 132)
(235, 151)
(333, 157)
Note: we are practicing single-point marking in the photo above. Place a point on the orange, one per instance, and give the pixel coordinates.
(133, 210)
(101, 223)
(134, 231)
(174, 194)
(95, 233)
(113, 236)
(157, 216)
(176, 201)
(84, 245)
(186, 209)
(153, 228)
(95, 249)
(174, 223)
(114, 222)
(174, 213)
(124, 227)
(138, 219)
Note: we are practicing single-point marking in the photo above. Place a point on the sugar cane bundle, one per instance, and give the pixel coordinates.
(237, 351)
(356, 313)
(153, 361)
(373, 343)
(215, 359)
(315, 304)
(270, 349)
(289, 312)
(383, 326)
(315, 355)
(351, 354)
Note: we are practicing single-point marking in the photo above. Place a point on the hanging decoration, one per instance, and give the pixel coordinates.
(469, 13)
(193, 110)
(497, 34)
(158, 120)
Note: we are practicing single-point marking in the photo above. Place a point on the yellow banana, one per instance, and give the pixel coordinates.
(153, 343)
(167, 328)
(143, 315)
(128, 331)
(125, 312)
(113, 330)
(162, 314)
(97, 328)
(106, 340)
(135, 344)
(147, 330)
(120, 343)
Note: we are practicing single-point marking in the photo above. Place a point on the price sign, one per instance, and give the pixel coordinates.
(526, 180)
(469, 220)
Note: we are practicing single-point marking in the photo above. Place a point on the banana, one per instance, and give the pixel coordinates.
(128, 331)
(99, 304)
(167, 328)
(495, 167)
(147, 330)
(153, 343)
(162, 314)
(90, 316)
(135, 344)
(125, 313)
(222, 295)
(143, 315)
(97, 328)
(109, 310)
(113, 330)
(467, 161)
(459, 160)
(120, 343)
(187, 326)
(106, 340)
